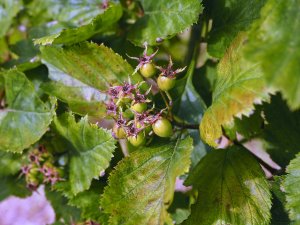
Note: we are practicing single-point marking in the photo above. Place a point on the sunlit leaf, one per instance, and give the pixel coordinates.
(239, 85)
(291, 187)
(163, 19)
(274, 42)
(142, 185)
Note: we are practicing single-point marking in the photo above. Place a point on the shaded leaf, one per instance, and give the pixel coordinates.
(10, 163)
(188, 102)
(232, 189)
(239, 85)
(229, 17)
(163, 19)
(8, 10)
(63, 212)
(90, 150)
(291, 187)
(142, 185)
(273, 37)
(88, 202)
(26, 117)
(279, 214)
(13, 185)
(101, 23)
(282, 131)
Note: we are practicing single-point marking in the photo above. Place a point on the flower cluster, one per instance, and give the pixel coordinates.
(132, 111)
(40, 169)
(135, 117)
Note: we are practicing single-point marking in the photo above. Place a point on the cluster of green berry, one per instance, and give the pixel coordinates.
(135, 116)
(167, 77)
(40, 169)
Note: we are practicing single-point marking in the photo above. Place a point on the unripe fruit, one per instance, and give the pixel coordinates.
(119, 132)
(165, 83)
(147, 128)
(148, 70)
(140, 139)
(128, 114)
(123, 101)
(139, 107)
(162, 128)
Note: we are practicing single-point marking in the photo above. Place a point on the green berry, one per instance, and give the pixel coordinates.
(119, 132)
(165, 83)
(162, 128)
(148, 70)
(139, 107)
(139, 140)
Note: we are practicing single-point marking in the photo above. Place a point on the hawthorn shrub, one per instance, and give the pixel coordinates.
(152, 112)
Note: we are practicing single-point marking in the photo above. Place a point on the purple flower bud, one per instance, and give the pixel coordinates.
(114, 91)
(169, 71)
(132, 130)
(144, 59)
(111, 108)
(34, 158)
(25, 169)
(127, 89)
(139, 98)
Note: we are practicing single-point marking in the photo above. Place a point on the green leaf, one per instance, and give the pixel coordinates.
(81, 98)
(273, 37)
(239, 85)
(248, 126)
(282, 131)
(90, 150)
(63, 212)
(187, 101)
(77, 71)
(229, 17)
(88, 202)
(291, 186)
(74, 13)
(10, 163)
(232, 189)
(279, 214)
(26, 117)
(13, 185)
(95, 65)
(142, 185)
(180, 215)
(101, 23)
(164, 19)
(8, 10)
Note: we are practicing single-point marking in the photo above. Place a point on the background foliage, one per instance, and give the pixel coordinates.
(241, 86)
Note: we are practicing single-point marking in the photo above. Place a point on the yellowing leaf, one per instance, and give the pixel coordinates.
(142, 185)
(275, 42)
(239, 85)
